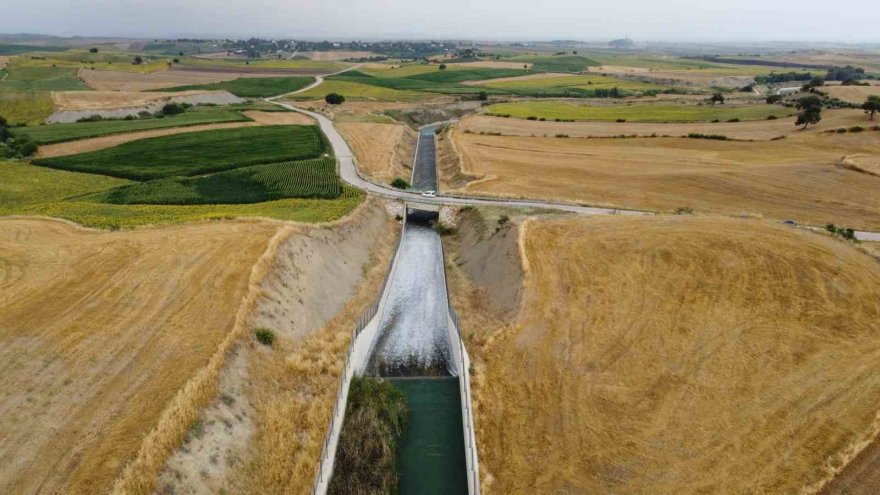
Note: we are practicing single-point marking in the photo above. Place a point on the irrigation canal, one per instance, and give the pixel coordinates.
(413, 350)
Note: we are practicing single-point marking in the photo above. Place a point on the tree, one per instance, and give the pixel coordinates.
(526, 66)
(93, 50)
(871, 105)
(483, 96)
(334, 98)
(717, 98)
(811, 111)
(771, 99)
(138, 60)
(399, 183)
(442, 66)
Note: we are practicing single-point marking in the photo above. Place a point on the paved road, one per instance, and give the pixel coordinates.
(349, 173)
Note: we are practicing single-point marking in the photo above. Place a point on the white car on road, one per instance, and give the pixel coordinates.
(429, 194)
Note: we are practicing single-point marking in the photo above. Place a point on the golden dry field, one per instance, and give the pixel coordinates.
(796, 178)
(679, 354)
(109, 80)
(852, 94)
(101, 100)
(100, 331)
(383, 151)
(759, 130)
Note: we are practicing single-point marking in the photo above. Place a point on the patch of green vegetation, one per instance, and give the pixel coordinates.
(253, 87)
(29, 190)
(559, 63)
(15, 49)
(25, 107)
(298, 63)
(376, 418)
(555, 109)
(197, 152)
(58, 133)
(265, 336)
(358, 91)
(468, 74)
(255, 184)
(25, 75)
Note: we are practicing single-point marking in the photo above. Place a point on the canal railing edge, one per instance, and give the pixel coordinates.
(362, 338)
(463, 363)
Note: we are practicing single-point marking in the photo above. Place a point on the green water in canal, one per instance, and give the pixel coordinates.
(431, 456)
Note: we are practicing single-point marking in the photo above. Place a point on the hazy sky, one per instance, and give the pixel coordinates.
(655, 20)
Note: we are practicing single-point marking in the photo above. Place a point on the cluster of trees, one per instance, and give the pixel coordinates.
(871, 106)
(717, 98)
(13, 146)
(845, 73)
(334, 98)
(778, 77)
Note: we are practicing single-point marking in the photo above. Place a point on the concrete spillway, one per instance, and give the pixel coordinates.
(413, 338)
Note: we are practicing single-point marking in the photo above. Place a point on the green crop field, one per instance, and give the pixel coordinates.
(16, 49)
(358, 91)
(58, 133)
(253, 87)
(197, 152)
(576, 85)
(29, 75)
(556, 109)
(31, 190)
(258, 183)
(560, 63)
(26, 107)
(466, 74)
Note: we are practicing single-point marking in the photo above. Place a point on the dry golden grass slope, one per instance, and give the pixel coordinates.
(678, 355)
(852, 94)
(98, 333)
(101, 100)
(796, 178)
(383, 151)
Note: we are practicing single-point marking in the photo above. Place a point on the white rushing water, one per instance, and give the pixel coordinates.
(413, 339)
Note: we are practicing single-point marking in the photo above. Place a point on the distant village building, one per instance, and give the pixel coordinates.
(788, 91)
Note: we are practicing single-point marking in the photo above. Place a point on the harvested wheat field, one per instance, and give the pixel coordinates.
(3, 61)
(107, 100)
(794, 178)
(98, 333)
(758, 130)
(495, 64)
(703, 78)
(110, 80)
(679, 354)
(852, 94)
(260, 118)
(383, 151)
(869, 164)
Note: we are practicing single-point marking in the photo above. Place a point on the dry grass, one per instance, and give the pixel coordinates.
(3, 61)
(101, 333)
(293, 391)
(383, 151)
(869, 164)
(723, 77)
(495, 64)
(103, 100)
(760, 130)
(336, 55)
(679, 355)
(852, 94)
(259, 118)
(796, 178)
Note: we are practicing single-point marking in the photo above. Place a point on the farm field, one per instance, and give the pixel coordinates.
(554, 64)
(196, 152)
(320, 65)
(114, 80)
(620, 391)
(57, 133)
(360, 92)
(534, 82)
(101, 100)
(383, 151)
(91, 357)
(794, 178)
(313, 179)
(31, 190)
(721, 76)
(29, 108)
(759, 130)
(852, 94)
(558, 109)
(33, 75)
(254, 87)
